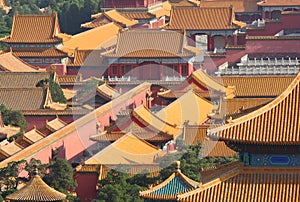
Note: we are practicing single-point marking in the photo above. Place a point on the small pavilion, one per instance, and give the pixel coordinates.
(36, 190)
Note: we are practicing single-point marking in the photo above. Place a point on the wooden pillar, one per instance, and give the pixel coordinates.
(179, 69)
(210, 43)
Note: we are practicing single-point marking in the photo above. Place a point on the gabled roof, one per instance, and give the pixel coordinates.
(189, 107)
(34, 29)
(22, 79)
(33, 136)
(206, 82)
(275, 123)
(127, 150)
(196, 18)
(176, 184)
(106, 91)
(238, 5)
(154, 123)
(244, 184)
(258, 86)
(150, 43)
(8, 149)
(285, 3)
(55, 124)
(36, 190)
(23, 99)
(9, 62)
(94, 38)
(108, 17)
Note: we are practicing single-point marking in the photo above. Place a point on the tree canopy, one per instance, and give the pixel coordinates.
(13, 117)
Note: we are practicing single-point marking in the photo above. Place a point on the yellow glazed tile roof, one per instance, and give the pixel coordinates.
(238, 5)
(110, 16)
(11, 63)
(195, 18)
(154, 123)
(127, 150)
(275, 123)
(34, 29)
(189, 107)
(36, 190)
(93, 39)
(243, 184)
(33, 136)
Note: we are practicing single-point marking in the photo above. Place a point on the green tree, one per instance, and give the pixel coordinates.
(13, 117)
(60, 176)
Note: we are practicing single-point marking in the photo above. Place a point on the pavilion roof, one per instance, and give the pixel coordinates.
(34, 29)
(258, 86)
(169, 189)
(129, 149)
(153, 122)
(8, 131)
(241, 184)
(36, 190)
(221, 18)
(275, 123)
(93, 39)
(238, 5)
(279, 3)
(206, 82)
(150, 44)
(9, 62)
(110, 16)
(189, 107)
(165, 10)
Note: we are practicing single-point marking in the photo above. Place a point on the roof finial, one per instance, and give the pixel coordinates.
(177, 166)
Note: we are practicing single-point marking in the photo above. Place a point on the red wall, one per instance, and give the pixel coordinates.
(86, 189)
(287, 22)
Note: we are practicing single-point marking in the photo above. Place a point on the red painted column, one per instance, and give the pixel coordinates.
(179, 69)
(210, 43)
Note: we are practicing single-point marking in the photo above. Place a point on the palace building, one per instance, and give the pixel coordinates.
(34, 39)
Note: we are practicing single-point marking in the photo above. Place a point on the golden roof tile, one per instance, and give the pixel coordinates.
(164, 11)
(39, 52)
(211, 148)
(33, 136)
(258, 86)
(189, 107)
(9, 131)
(123, 152)
(211, 84)
(221, 18)
(139, 15)
(242, 184)
(150, 43)
(69, 94)
(94, 38)
(238, 5)
(108, 17)
(23, 99)
(275, 123)
(55, 124)
(184, 3)
(86, 58)
(34, 29)
(154, 123)
(9, 148)
(22, 79)
(11, 63)
(36, 190)
(107, 91)
(279, 3)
